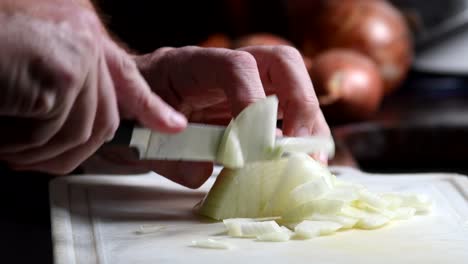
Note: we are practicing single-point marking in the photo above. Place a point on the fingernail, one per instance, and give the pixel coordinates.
(279, 132)
(178, 120)
(323, 158)
(302, 132)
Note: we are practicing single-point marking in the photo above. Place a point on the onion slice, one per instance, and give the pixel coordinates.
(210, 244)
(309, 229)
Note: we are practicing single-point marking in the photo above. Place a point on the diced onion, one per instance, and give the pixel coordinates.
(345, 221)
(310, 229)
(250, 228)
(311, 190)
(372, 199)
(211, 244)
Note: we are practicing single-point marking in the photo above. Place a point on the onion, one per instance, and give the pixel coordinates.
(348, 85)
(266, 39)
(211, 244)
(217, 40)
(373, 27)
(260, 39)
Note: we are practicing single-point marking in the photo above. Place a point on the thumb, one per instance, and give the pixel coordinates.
(135, 98)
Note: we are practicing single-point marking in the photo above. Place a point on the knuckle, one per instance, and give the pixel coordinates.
(83, 136)
(110, 128)
(126, 65)
(70, 79)
(144, 102)
(240, 60)
(311, 102)
(287, 53)
(63, 168)
(37, 139)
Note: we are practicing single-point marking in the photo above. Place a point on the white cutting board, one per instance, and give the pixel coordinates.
(95, 219)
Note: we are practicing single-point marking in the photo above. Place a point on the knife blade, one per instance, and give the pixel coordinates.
(200, 143)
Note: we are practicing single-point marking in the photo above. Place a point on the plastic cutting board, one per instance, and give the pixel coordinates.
(95, 219)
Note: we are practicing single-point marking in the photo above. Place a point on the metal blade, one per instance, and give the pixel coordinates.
(195, 143)
(200, 143)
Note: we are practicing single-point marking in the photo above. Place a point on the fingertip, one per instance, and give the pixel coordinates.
(323, 158)
(178, 120)
(168, 122)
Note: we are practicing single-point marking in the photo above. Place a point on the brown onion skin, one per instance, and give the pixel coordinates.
(260, 39)
(217, 40)
(348, 85)
(373, 27)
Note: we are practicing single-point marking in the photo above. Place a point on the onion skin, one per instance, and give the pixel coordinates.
(266, 39)
(348, 85)
(260, 39)
(373, 27)
(216, 40)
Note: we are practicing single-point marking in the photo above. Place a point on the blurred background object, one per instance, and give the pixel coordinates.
(441, 34)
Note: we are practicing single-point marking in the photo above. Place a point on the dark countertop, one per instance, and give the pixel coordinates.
(25, 218)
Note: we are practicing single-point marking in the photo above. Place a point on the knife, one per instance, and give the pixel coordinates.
(200, 142)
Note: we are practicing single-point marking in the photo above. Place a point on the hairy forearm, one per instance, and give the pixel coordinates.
(51, 9)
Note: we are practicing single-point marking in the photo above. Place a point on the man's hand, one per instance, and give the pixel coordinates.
(213, 85)
(63, 82)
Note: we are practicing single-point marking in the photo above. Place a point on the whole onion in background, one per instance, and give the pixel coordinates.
(348, 85)
(217, 40)
(268, 39)
(258, 39)
(373, 27)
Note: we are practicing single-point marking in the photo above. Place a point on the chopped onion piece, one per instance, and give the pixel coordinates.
(231, 197)
(343, 193)
(367, 220)
(241, 144)
(322, 206)
(372, 221)
(345, 221)
(394, 200)
(148, 229)
(251, 229)
(230, 150)
(420, 202)
(311, 190)
(310, 229)
(404, 213)
(283, 235)
(300, 168)
(306, 145)
(390, 214)
(287, 231)
(372, 199)
(211, 244)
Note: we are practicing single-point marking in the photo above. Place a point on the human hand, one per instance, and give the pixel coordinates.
(213, 85)
(64, 85)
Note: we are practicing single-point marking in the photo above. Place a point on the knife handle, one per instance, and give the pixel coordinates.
(123, 135)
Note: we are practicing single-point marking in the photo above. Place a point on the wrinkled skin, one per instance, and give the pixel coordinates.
(65, 85)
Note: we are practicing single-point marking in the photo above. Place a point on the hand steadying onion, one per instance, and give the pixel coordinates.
(347, 83)
(373, 27)
(266, 39)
